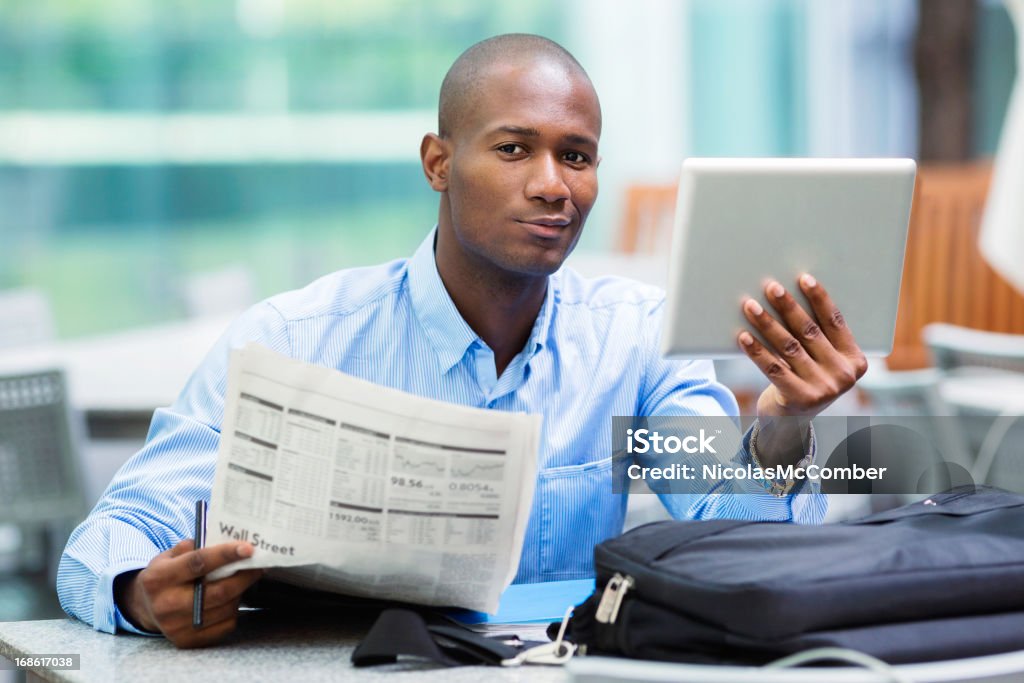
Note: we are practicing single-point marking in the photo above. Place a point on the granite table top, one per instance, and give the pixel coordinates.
(266, 647)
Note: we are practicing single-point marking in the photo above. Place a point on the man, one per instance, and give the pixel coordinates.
(481, 315)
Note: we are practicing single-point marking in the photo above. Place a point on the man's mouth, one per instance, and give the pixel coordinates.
(549, 221)
(546, 227)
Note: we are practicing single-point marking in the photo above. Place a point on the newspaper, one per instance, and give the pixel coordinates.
(369, 491)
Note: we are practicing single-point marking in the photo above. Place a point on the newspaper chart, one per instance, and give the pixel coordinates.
(369, 491)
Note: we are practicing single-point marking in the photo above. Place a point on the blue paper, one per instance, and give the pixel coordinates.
(526, 603)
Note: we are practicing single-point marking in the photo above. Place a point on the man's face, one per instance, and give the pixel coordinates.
(523, 170)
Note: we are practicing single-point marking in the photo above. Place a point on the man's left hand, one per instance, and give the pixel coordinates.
(812, 360)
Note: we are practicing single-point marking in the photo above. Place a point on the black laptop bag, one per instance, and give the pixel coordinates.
(939, 579)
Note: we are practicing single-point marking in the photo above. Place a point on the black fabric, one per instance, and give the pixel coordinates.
(402, 632)
(399, 632)
(398, 629)
(934, 580)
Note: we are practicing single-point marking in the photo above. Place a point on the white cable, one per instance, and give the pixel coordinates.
(843, 655)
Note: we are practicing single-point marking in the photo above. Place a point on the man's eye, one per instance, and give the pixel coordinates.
(576, 158)
(511, 148)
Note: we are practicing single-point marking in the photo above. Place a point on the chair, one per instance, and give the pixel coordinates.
(982, 372)
(917, 394)
(1001, 456)
(40, 485)
(26, 318)
(647, 223)
(983, 380)
(957, 312)
(945, 277)
(908, 392)
(954, 347)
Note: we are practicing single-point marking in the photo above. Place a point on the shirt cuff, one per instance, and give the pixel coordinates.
(125, 624)
(108, 616)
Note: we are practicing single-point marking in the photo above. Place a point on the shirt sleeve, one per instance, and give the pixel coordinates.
(689, 388)
(149, 506)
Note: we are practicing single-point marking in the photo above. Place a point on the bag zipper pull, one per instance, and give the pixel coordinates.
(611, 600)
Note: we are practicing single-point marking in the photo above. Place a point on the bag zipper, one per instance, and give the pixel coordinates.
(611, 599)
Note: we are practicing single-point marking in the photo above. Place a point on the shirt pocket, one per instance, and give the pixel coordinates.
(578, 511)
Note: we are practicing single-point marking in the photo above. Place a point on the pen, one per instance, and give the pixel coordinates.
(200, 542)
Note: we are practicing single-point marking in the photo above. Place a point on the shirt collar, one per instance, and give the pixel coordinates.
(449, 334)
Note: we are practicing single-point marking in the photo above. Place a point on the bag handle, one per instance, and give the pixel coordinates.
(651, 541)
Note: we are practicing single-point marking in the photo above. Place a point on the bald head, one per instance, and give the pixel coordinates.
(465, 80)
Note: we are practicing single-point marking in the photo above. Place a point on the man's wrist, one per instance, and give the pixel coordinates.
(127, 601)
(782, 440)
(781, 486)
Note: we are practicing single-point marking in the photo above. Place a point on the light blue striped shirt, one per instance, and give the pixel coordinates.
(592, 354)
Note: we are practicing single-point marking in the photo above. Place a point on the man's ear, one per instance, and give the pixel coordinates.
(435, 155)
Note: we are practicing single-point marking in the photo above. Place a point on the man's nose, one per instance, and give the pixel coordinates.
(546, 181)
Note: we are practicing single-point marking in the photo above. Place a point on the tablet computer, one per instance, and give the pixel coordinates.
(742, 222)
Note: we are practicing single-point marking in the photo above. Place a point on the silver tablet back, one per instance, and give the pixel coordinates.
(741, 222)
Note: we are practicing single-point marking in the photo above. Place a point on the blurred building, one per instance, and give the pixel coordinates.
(142, 143)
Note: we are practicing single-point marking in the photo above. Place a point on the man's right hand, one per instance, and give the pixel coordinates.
(159, 598)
